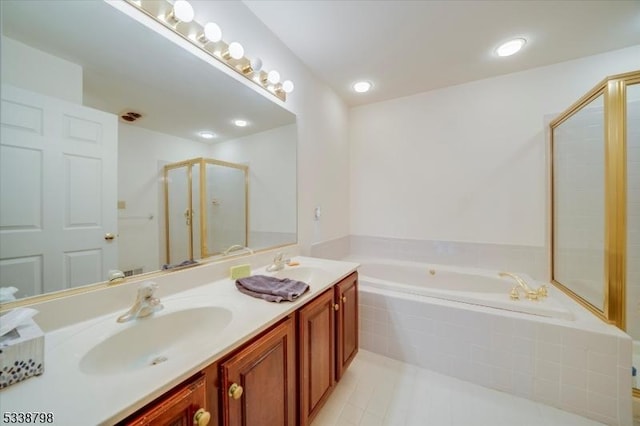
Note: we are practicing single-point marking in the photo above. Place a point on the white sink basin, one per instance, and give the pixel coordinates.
(155, 339)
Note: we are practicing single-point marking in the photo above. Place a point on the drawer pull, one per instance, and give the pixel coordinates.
(235, 391)
(201, 418)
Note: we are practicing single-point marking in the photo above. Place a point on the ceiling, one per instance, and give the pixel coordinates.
(407, 47)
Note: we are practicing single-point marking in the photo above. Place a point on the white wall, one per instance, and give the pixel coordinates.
(141, 155)
(271, 158)
(466, 163)
(323, 148)
(35, 70)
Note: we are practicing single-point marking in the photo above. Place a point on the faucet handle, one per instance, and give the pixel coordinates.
(542, 291)
(147, 289)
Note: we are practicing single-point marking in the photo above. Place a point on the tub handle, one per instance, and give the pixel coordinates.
(515, 295)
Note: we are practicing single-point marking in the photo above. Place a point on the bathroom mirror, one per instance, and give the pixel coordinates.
(578, 203)
(79, 74)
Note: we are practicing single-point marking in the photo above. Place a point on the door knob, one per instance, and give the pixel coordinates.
(201, 418)
(336, 307)
(344, 299)
(109, 236)
(235, 391)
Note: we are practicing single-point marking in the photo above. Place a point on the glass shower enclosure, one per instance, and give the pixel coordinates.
(595, 203)
(206, 208)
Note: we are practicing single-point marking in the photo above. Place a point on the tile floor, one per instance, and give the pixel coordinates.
(377, 390)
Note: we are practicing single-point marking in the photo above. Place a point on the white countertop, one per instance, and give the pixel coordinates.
(79, 398)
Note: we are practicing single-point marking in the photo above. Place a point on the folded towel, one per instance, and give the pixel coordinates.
(271, 289)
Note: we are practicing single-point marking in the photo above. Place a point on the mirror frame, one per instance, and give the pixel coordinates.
(133, 11)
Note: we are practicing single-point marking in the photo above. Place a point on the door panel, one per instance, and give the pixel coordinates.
(266, 370)
(48, 144)
(316, 325)
(347, 335)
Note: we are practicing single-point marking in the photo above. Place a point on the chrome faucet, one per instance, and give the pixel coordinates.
(530, 293)
(278, 262)
(236, 247)
(145, 303)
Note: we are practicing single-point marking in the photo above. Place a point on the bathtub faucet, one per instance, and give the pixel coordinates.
(530, 293)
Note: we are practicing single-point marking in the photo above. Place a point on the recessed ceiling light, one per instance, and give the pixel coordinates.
(240, 123)
(362, 86)
(510, 47)
(206, 134)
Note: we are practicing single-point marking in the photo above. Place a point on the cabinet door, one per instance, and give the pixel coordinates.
(347, 327)
(176, 409)
(316, 328)
(258, 383)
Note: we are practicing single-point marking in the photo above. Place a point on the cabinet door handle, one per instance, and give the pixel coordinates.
(344, 299)
(201, 417)
(336, 307)
(235, 391)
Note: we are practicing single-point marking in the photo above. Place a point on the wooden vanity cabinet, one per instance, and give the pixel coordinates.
(328, 342)
(282, 377)
(178, 408)
(347, 323)
(316, 337)
(258, 383)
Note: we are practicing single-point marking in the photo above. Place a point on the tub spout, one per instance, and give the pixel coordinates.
(530, 293)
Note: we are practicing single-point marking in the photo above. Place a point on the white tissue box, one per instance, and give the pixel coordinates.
(21, 354)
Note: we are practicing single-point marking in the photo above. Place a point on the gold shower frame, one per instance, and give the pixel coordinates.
(202, 162)
(614, 90)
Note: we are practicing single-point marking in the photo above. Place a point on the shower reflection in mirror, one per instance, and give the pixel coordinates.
(206, 208)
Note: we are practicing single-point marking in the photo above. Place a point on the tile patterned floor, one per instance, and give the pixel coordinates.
(377, 391)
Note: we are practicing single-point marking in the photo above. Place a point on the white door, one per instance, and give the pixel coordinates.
(58, 175)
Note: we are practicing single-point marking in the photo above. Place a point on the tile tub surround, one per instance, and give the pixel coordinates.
(528, 259)
(580, 366)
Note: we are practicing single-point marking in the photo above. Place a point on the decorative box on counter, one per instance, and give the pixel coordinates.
(21, 353)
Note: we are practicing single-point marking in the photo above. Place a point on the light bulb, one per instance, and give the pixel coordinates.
(362, 86)
(182, 11)
(510, 47)
(273, 77)
(212, 32)
(256, 64)
(240, 123)
(287, 86)
(236, 51)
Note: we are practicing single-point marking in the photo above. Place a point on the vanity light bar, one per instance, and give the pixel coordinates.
(208, 38)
